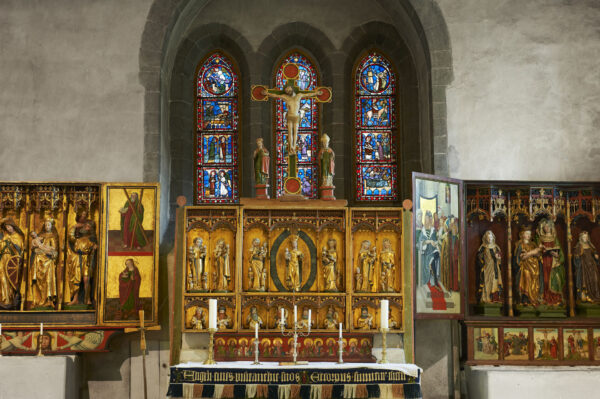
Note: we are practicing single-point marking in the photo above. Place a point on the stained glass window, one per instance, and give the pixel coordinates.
(217, 131)
(375, 127)
(307, 142)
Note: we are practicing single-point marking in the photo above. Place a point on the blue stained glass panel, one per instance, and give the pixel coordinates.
(307, 77)
(377, 181)
(307, 147)
(375, 112)
(216, 78)
(217, 114)
(218, 148)
(217, 183)
(375, 146)
(375, 77)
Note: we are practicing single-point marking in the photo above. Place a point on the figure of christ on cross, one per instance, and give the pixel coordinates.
(292, 95)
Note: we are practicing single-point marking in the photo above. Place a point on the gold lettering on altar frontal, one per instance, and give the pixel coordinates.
(295, 377)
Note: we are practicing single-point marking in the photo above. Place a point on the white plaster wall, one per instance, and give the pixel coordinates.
(71, 106)
(524, 103)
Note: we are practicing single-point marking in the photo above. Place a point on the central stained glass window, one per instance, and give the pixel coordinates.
(308, 129)
(375, 126)
(217, 131)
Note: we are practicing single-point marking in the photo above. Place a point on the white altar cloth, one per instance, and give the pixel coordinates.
(409, 369)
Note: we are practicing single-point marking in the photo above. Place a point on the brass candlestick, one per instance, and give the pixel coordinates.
(383, 346)
(211, 346)
(340, 350)
(294, 333)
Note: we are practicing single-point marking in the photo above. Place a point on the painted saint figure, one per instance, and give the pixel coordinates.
(527, 262)
(553, 260)
(197, 260)
(132, 217)
(130, 280)
(256, 272)
(292, 101)
(587, 272)
(387, 257)
(365, 320)
(330, 269)
(222, 270)
(488, 264)
(11, 259)
(254, 318)
(364, 275)
(45, 247)
(327, 162)
(261, 163)
(429, 252)
(83, 243)
(293, 258)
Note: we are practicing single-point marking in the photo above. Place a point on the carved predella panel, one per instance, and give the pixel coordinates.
(293, 260)
(365, 313)
(332, 261)
(255, 255)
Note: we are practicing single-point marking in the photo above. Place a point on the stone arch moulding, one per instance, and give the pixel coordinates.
(420, 23)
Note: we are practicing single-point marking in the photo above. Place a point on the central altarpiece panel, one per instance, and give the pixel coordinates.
(265, 258)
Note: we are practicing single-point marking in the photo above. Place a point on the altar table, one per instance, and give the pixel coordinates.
(313, 381)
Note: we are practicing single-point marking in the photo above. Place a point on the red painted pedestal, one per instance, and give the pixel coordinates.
(262, 191)
(326, 193)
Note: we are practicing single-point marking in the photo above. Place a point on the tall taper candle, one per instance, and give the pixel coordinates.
(282, 317)
(385, 306)
(295, 313)
(41, 328)
(255, 330)
(340, 330)
(309, 318)
(212, 314)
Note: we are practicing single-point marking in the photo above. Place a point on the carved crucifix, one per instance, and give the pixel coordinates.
(292, 95)
(142, 329)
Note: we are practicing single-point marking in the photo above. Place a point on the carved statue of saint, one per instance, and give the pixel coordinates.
(293, 258)
(587, 269)
(256, 272)
(11, 258)
(387, 257)
(392, 323)
(261, 163)
(326, 162)
(223, 319)
(365, 320)
(528, 264)
(199, 319)
(364, 271)
(330, 269)
(331, 319)
(488, 264)
(197, 262)
(82, 260)
(304, 322)
(222, 270)
(254, 318)
(292, 101)
(553, 260)
(42, 275)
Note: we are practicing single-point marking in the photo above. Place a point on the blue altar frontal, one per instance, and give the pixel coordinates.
(315, 380)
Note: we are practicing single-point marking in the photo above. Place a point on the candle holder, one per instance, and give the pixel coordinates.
(294, 333)
(211, 346)
(39, 342)
(256, 343)
(383, 345)
(340, 350)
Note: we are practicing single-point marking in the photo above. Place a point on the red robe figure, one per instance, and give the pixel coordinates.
(129, 290)
(132, 216)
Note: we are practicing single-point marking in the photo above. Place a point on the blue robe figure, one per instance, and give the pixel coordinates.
(429, 252)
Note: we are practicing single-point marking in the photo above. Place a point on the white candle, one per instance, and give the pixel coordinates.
(309, 318)
(41, 328)
(295, 313)
(0, 329)
(255, 330)
(212, 313)
(282, 317)
(340, 330)
(385, 306)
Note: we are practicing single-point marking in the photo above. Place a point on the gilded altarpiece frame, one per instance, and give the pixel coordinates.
(281, 257)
